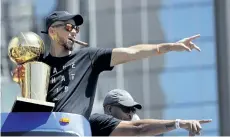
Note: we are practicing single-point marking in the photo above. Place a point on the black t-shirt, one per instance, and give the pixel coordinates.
(73, 79)
(102, 124)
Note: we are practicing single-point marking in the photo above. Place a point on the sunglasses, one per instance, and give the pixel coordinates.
(126, 109)
(68, 27)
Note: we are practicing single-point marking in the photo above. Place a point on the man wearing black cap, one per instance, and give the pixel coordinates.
(74, 75)
(119, 109)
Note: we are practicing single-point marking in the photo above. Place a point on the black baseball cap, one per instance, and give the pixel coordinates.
(122, 97)
(62, 16)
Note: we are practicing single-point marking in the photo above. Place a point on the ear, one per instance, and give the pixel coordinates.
(108, 109)
(51, 32)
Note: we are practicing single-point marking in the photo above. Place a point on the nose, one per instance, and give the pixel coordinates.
(73, 33)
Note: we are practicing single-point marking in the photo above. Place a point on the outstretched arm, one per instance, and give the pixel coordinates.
(136, 52)
(150, 127)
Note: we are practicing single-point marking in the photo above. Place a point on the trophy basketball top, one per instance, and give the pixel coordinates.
(27, 46)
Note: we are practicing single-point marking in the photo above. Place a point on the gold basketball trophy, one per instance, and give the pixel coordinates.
(24, 50)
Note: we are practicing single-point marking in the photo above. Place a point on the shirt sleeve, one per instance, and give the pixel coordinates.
(101, 58)
(102, 124)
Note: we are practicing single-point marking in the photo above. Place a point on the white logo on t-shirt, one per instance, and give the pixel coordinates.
(63, 78)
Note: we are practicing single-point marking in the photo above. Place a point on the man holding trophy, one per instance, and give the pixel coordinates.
(74, 75)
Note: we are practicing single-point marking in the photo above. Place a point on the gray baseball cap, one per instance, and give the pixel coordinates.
(121, 97)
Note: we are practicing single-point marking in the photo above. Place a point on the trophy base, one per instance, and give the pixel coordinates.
(31, 105)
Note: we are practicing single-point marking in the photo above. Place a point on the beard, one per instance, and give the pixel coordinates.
(67, 44)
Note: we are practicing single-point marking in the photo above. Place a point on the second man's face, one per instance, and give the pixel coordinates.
(122, 112)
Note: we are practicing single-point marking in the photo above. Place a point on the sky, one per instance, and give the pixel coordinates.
(189, 78)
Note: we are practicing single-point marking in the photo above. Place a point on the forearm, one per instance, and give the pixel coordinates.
(123, 55)
(137, 52)
(154, 127)
(151, 49)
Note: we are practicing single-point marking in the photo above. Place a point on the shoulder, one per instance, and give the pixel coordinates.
(87, 49)
(102, 118)
(96, 117)
(102, 124)
(94, 50)
(101, 54)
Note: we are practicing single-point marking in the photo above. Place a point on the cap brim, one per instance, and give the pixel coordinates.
(77, 19)
(44, 32)
(129, 103)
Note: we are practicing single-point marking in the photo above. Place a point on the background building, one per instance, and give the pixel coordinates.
(176, 85)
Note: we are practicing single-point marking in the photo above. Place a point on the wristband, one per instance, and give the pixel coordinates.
(177, 123)
(158, 50)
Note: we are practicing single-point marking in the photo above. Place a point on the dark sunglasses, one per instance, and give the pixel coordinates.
(126, 109)
(68, 27)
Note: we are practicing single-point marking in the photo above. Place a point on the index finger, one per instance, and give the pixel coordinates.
(194, 37)
(205, 121)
